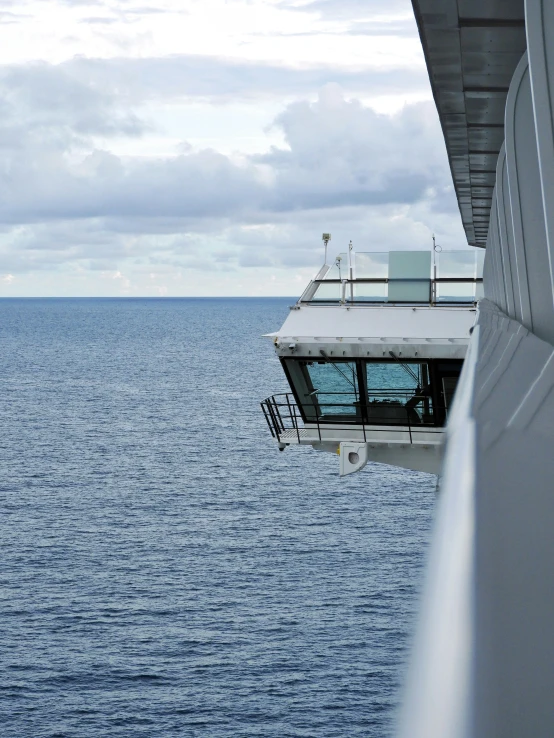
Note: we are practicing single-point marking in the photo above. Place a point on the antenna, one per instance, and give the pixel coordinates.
(436, 250)
(326, 238)
(351, 271)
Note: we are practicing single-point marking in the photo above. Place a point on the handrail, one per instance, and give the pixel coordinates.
(386, 280)
(284, 415)
(346, 296)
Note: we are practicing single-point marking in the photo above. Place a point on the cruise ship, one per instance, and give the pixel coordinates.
(372, 352)
(483, 660)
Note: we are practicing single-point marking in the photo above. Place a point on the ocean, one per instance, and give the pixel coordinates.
(166, 571)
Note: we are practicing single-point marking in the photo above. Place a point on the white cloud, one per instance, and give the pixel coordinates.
(344, 168)
(202, 146)
(338, 153)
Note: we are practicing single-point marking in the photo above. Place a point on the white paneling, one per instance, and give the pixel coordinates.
(488, 281)
(540, 43)
(337, 323)
(506, 234)
(496, 258)
(528, 219)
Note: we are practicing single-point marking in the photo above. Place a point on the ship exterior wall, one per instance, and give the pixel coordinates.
(483, 663)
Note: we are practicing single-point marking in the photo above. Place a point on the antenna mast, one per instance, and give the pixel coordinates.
(351, 271)
(436, 250)
(326, 238)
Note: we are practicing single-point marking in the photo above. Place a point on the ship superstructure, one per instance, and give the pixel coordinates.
(483, 663)
(372, 352)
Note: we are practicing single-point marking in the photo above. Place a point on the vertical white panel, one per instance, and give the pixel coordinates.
(511, 195)
(528, 219)
(488, 285)
(499, 284)
(539, 22)
(492, 247)
(507, 238)
(519, 269)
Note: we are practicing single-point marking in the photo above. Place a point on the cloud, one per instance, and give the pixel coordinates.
(39, 99)
(339, 153)
(133, 169)
(228, 79)
(372, 18)
(401, 27)
(379, 178)
(351, 9)
(343, 153)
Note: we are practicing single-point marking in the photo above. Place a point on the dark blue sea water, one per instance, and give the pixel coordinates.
(165, 571)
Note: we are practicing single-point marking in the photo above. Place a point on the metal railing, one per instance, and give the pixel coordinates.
(346, 291)
(282, 414)
(289, 419)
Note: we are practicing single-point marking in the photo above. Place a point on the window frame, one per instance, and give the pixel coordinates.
(440, 410)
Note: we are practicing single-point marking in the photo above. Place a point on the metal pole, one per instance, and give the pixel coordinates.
(267, 419)
(278, 414)
(293, 418)
(326, 238)
(351, 271)
(273, 417)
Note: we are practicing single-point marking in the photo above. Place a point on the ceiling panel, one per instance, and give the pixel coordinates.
(472, 48)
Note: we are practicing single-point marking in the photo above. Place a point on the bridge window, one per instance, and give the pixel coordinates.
(398, 393)
(389, 392)
(329, 389)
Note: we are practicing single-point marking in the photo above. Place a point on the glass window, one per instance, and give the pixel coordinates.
(329, 389)
(328, 292)
(372, 265)
(466, 264)
(338, 268)
(409, 276)
(457, 264)
(447, 374)
(456, 292)
(398, 393)
(370, 292)
(393, 392)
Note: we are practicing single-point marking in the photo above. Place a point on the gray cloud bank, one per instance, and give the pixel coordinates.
(349, 9)
(339, 153)
(75, 201)
(213, 78)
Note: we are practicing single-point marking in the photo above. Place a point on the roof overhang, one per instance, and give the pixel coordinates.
(374, 323)
(472, 48)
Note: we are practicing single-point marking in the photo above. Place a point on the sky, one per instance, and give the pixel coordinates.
(201, 147)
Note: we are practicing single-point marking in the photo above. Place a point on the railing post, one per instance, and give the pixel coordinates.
(267, 420)
(292, 416)
(273, 415)
(277, 413)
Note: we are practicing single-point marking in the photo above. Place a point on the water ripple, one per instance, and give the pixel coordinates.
(165, 570)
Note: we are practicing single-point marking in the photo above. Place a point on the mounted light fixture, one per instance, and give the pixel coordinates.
(326, 238)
